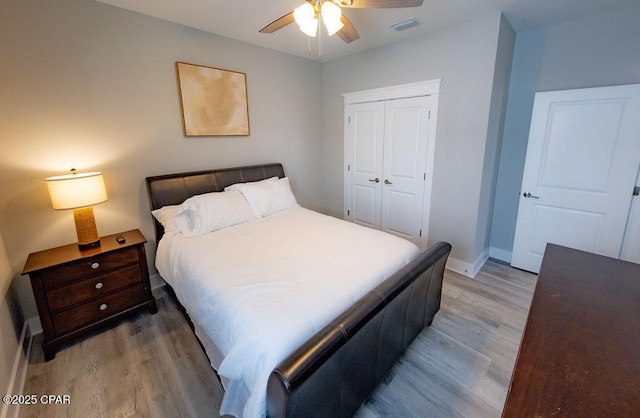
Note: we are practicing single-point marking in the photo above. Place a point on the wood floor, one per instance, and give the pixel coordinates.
(153, 366)
(461, 366)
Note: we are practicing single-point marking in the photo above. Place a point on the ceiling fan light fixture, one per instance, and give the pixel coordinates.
(331, 14)
(310, 29)
(305, 17)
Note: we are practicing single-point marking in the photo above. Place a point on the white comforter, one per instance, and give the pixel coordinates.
(260, 289)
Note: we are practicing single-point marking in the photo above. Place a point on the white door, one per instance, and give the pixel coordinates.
(364, 132)
(631, 242)
(406, 132)
(387, 142)
(582, 160)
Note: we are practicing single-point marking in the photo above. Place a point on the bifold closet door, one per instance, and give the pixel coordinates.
(364, 130)
(406, 130)
(386, 144)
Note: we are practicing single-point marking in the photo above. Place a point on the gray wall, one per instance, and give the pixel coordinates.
(592, 52)
(8, 322)
(464, 56)
(91, 86)
(500, 90)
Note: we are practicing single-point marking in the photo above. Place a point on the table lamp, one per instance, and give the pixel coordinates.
(78, 191)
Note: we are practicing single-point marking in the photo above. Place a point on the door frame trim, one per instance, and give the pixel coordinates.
(400, 91)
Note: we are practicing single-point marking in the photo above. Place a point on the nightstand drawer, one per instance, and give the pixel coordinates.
(90, 266)
(98, 309)
(64, 297)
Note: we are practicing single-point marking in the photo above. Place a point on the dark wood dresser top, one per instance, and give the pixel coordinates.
(67, 253)
(580, 352)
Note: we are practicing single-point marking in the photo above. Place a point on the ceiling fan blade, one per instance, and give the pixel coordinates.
(378, 4)
(278, 23)
(348, 33)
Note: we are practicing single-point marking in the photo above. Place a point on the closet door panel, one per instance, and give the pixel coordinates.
(403, 141)
(406, 129)
(365, 131)
(400, 214)
(365, 206)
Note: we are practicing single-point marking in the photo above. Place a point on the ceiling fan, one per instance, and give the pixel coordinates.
(308, 15)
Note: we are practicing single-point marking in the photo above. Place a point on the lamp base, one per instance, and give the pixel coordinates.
(86, 228)
(90, 245)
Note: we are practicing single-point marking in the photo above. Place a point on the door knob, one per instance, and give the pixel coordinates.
(386, 181)
(376, 180)
(530, 196)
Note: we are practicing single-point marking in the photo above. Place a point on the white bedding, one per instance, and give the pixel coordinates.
(260, 289)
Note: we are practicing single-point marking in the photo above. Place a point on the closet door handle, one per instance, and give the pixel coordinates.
(376, 180)
(386, 181)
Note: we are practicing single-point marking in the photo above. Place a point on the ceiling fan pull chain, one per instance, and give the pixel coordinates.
(319, 39)
(308, 45)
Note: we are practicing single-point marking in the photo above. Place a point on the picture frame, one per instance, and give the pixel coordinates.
(214, 102)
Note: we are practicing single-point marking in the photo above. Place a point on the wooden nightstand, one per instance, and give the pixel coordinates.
(77, 291)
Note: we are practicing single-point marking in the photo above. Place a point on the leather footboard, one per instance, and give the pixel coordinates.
(337, 369)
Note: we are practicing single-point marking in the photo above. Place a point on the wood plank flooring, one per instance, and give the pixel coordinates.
(461, 366)
(153, 366)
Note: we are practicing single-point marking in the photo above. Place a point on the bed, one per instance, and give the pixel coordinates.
(300, 314)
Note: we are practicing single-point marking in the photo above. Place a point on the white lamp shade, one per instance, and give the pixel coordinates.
(331, 14)
(304, 16)
(76, 190)
(310, 29)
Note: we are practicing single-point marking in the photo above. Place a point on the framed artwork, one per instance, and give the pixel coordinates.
(213, 101)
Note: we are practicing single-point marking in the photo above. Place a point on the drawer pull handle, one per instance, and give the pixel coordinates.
(103, 306)
(99, 285)
(95, 265)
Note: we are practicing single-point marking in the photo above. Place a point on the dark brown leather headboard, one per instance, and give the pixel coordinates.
(173, 189)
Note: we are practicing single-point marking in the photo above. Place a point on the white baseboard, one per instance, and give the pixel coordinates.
(19, 371)
(35, 327)
(500, 254)
(467, 269)
(156, 281)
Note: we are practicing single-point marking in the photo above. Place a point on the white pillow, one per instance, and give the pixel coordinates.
(268, 197)
(165, 215)
(210, 212)
(237, 186)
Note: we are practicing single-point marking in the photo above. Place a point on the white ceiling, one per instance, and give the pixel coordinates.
(241, 19)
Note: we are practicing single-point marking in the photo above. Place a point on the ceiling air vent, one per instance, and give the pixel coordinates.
(406, 24)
